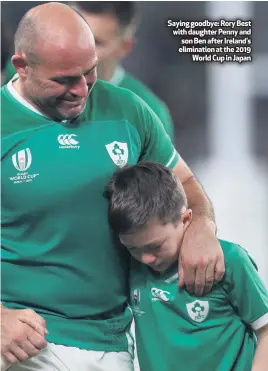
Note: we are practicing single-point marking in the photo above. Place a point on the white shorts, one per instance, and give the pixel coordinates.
(61, 358)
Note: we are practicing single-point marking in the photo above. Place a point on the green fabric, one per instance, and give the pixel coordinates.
(158, 106)
(59, 256)
(179, 331)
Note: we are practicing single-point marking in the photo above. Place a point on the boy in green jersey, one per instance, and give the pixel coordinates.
(225, 330)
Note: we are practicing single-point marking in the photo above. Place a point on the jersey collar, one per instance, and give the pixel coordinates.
(21, 100)
(118, 76)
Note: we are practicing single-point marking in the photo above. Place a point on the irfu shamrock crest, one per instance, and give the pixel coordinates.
(198, 310)
(118, 152)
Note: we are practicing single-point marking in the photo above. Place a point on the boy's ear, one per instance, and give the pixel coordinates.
(187, 218)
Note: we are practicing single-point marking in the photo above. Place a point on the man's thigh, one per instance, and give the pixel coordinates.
(61, 358)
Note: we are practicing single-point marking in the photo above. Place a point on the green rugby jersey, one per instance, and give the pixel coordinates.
(179, 331)
(124, 80)
(59, 256)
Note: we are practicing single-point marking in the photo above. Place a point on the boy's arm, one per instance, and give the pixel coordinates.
(260, 362)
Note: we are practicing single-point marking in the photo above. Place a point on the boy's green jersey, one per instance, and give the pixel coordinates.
(125, 80)
(179, 331)
(59, 256)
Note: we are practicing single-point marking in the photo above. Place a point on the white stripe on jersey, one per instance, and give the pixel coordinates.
(172, 278)
(259, 323)
(172, 158)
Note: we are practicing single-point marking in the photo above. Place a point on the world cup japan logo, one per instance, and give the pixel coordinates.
(22, 160)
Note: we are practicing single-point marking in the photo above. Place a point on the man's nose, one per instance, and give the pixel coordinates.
(80, 88)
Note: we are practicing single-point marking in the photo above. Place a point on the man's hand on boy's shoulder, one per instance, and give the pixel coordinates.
(201, 262)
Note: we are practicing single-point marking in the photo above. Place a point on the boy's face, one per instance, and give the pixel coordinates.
(157, 245)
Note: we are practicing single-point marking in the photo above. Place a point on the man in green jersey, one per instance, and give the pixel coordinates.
(113, 24)
(176, 330)
(64, 134)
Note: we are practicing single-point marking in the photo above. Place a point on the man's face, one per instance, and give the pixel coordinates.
(111, 45)
(157, 245)
(60, 83)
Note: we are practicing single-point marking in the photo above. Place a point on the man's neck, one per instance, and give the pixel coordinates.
(15, 90)
(16, 86)
(19, 90)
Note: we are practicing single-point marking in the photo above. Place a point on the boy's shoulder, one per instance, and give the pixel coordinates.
(239, 265)
(229, 247)
(233, 252)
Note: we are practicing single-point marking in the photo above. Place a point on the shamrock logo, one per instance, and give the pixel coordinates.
(197, 308)
(117, 150)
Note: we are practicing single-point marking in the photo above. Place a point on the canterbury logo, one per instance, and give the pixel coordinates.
(22, 160)
(159, 294)
(67, 141)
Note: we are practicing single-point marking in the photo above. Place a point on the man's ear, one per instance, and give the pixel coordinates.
(127, 46)
(19, 61)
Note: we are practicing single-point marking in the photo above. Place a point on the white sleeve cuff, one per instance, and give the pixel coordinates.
(259, 323)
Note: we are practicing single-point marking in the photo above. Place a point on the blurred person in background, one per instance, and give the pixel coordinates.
(5, 52)
(114, 24)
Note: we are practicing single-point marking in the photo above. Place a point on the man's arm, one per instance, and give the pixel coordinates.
(201, 257)
(260, 362)
(165, 117)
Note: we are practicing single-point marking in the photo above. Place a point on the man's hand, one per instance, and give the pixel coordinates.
(22, 334)
(201, 262)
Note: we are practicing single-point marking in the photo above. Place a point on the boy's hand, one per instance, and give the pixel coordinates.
(201, 262)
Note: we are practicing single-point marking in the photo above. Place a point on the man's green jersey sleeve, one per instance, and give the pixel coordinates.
(165, 117)
(245, 289)
(156, 143)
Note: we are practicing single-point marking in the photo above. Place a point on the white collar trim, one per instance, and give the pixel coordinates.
(118, 76)
(19, 98)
